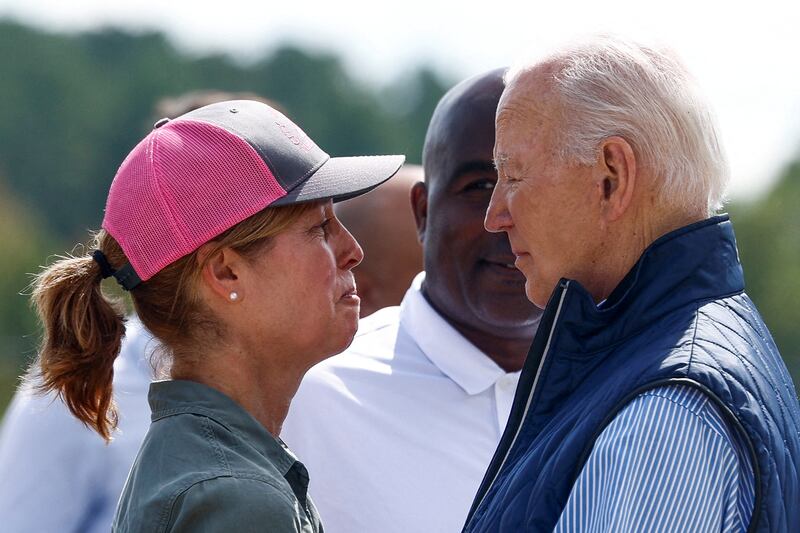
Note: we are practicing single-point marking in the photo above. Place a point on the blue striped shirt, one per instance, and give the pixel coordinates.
(667, 462)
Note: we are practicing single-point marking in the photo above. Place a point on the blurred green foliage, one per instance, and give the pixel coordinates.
(768, 235)
(72, 106)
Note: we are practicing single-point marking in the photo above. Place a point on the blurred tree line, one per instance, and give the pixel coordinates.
(72, 106)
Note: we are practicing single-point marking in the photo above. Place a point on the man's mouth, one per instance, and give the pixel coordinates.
(502, 263)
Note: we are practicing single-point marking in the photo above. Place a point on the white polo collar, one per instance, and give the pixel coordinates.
(454, 355)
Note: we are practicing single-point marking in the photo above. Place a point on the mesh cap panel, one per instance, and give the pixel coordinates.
(186, 183)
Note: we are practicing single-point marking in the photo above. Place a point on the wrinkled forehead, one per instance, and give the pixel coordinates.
(530, 95)
(528, 114)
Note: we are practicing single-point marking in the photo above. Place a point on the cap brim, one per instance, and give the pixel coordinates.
(341, 178)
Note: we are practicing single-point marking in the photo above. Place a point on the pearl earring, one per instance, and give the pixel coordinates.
(234, 296)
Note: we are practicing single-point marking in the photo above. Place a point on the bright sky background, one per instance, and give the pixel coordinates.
(746, 56)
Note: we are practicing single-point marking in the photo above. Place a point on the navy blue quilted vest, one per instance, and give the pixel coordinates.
(679, 316)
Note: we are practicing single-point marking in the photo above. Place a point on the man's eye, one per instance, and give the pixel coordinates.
(480, 185)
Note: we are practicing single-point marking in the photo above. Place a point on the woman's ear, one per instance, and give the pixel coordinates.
(221, 272)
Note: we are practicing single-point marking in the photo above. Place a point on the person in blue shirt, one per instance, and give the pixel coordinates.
(65, 478)
(653, 397)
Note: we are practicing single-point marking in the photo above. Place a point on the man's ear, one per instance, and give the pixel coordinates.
(220, 271)
(615, 177)
(419, 204)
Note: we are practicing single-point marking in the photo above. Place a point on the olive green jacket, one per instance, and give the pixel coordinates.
(206, 465)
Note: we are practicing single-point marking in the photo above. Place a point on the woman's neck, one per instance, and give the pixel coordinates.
(264, 388)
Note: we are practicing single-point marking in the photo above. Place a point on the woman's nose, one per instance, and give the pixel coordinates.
(350, 253)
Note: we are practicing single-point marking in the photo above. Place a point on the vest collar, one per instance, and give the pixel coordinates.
(691, 264)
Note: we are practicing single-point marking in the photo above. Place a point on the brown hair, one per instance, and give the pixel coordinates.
(83, 327)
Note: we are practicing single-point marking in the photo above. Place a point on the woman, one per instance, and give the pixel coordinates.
(220, 224)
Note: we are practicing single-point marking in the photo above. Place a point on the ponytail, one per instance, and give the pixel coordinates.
(83, 329)
(83, 332)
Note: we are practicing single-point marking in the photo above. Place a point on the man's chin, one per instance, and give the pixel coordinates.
(537, 300)
(509, 316)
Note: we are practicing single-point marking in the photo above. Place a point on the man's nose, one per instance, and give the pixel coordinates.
(497, 216)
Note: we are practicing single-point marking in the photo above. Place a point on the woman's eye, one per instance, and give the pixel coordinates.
(325, 227)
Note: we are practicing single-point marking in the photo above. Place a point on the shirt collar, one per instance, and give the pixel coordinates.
(174, 397)
(453, 355)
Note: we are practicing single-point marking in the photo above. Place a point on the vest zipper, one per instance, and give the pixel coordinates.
(545, 352)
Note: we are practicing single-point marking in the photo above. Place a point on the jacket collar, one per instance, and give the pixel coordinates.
(174, 397)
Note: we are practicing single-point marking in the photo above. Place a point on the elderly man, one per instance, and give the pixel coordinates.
(653, 398)
(383, 225)
(399, 429)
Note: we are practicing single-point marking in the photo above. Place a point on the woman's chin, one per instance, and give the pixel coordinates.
(347, 340)
(340, 342)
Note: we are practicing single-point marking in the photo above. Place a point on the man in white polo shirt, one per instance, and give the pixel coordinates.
(398, 430)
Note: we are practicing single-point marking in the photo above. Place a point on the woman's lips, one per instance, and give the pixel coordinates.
(350, 296)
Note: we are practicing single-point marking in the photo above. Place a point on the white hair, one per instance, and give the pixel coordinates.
(609, 86)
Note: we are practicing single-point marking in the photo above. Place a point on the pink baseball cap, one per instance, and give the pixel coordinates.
(195, 176)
